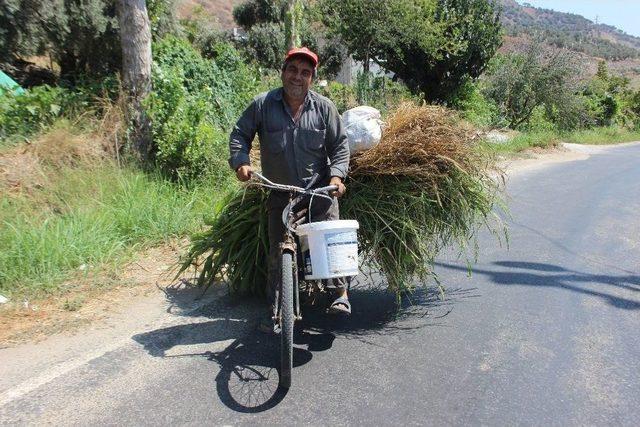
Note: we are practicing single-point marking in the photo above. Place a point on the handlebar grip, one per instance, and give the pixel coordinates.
(326, 189)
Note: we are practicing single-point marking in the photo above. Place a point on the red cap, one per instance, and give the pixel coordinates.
(304, 52)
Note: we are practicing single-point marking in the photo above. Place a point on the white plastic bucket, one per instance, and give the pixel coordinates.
(329, 249)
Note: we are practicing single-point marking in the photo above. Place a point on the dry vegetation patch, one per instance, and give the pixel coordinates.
(32, 165)
(88, 297)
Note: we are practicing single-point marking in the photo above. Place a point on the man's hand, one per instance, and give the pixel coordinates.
(341, 187)
(243, 173)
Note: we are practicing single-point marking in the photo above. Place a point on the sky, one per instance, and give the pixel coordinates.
(622, 14)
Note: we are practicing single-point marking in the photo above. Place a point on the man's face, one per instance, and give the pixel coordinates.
(296, 78)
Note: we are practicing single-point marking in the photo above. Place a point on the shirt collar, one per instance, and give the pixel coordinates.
(309, 101)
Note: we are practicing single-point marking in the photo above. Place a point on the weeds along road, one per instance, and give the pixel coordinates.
(545, 333)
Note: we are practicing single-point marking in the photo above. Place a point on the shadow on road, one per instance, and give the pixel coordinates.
(248, 377)
(549, 275)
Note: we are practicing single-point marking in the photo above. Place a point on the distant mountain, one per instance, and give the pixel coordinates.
(568, 30)
(221, 9)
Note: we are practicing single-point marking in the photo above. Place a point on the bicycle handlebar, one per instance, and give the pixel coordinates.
(322, 191)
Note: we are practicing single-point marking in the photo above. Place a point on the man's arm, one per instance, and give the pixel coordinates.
(337, 150)
(240, 141)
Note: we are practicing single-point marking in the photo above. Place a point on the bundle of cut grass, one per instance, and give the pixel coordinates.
(426, 185)
(235, 246)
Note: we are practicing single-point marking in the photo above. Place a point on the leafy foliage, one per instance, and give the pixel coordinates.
(264, 22)
(254, 12)
(476, 108)
(537, 76)
(162, 17)
(433, 46)
(22, 115)
(266, 41)
(605, 95)
(81, 35)
(193, 105)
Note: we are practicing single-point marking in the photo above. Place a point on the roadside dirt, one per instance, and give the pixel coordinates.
(90, 299)
(537, 158)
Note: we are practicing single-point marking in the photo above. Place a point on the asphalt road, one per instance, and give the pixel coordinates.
(545, 332)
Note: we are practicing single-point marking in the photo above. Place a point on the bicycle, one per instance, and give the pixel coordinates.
(287, 302)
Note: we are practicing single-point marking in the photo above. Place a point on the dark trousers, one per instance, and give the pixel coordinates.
(321, 210)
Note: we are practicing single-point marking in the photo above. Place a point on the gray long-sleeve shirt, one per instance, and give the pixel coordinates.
(292, 152)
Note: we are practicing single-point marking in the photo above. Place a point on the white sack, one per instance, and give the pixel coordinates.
(363, 127)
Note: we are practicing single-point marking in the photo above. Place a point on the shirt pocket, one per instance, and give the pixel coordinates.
(313, 138)
(274, 141)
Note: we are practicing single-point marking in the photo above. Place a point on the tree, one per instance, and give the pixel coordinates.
(536, 76)
(21, 29)
(268, 35)
(267, 41)
(360, 24)
(81, 36)
(162, 17)
(135, 35)
(253, 12)
(84, 38)
(434, 46)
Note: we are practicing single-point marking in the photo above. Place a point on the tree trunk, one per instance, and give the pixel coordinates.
(135, 35)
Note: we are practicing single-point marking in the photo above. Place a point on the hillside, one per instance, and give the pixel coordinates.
(221, 9)
(570, 31)
(594, 42)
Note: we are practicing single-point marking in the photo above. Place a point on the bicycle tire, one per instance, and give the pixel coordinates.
(287, 319)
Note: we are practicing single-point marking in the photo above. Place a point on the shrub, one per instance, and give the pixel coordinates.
(378, 92)
(21, 115)
(476, 108)
(536, 76)
(383, 93)
(24, 114)
(342, 95)
(539, 121)
(194, 103)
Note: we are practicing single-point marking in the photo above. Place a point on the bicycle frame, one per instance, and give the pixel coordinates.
(287, 298)
(291, 220)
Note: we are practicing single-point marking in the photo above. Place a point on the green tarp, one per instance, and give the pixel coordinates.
(7, 82)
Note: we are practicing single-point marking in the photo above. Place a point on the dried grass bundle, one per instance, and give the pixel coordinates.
(420, 142)
(425, 186)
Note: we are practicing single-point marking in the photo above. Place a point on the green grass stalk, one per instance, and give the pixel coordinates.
(91, 217)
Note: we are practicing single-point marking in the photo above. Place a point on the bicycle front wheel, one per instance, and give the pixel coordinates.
(286, 320)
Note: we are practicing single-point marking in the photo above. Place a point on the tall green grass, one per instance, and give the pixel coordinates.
(525, 140)
(602, 135)
(91, 217)
(550, 138)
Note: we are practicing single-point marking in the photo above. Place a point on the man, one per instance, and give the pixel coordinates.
(301, 134)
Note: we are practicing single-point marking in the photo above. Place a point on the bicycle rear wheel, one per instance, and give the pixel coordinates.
(286, 320)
